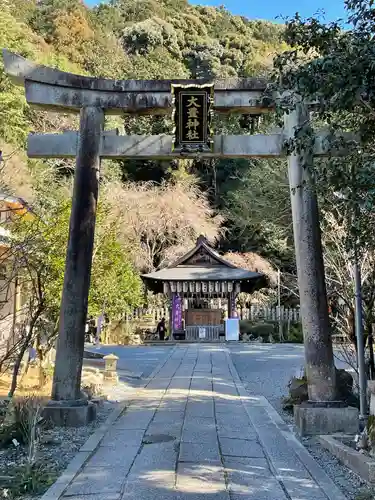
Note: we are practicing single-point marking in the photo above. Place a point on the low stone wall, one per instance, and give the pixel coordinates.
(359, 463)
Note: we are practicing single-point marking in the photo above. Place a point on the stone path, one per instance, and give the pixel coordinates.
(194, 433)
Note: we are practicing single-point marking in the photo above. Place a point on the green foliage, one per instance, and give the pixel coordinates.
(206, 41)
(365, 494)
(43, 241)
(128, 332)
(143, 37)
(140, 39)
(246, 326)
(295, 334)
(32, 479)
(13, 109)
(257, 329)
(259, 208)
(126, 39)
(263, 330)
(158, 64)
(115, 285)
(333, 67)
(292, 332)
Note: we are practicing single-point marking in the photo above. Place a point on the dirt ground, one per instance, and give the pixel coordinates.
(26, 386)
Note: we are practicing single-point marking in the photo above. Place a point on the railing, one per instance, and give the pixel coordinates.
(211, 333)
(254, 312)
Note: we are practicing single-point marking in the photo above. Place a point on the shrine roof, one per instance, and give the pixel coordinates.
(202, 273)
(203, 263)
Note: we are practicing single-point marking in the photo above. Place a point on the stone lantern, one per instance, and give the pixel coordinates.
(110, 373)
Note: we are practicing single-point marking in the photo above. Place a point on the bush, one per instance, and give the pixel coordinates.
(364, 495)
(263, 330)
(124, 333)
(258, 329)
(23, 422)
(33, 479)
(295, 335)
(297, 392)
(245, 326)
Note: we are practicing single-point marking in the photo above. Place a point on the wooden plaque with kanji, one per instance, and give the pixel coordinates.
(192, 117)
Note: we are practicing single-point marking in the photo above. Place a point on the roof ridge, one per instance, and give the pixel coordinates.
(202, 243)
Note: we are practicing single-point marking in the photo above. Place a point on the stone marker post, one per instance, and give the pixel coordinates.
(70, 346)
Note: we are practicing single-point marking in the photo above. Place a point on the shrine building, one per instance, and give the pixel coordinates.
(202, 287)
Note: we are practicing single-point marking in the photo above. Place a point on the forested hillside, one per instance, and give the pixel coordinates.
(154, 209)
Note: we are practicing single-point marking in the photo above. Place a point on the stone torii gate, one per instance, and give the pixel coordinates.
(93, 98)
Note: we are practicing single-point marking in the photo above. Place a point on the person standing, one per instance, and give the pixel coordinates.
(92, 329)
(161, 328)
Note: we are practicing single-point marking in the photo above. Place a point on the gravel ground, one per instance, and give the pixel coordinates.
(59, 445)
(348, 481)
(265, 370)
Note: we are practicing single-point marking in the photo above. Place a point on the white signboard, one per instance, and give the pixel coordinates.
(202, 333)
(232, 329)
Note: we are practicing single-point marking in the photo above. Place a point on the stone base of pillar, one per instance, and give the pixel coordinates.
(69, 414)
(323, 418)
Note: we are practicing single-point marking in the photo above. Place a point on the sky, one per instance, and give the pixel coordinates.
(272, 9)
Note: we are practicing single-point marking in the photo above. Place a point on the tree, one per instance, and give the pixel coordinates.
(36, 263)
(259, 210)
(333, 68)
(340, 276)
(160, 221)
(13, 120)
(143, 37)
(35, 257)
(115, 284)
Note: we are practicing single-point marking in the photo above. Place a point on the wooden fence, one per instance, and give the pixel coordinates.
(254, 312)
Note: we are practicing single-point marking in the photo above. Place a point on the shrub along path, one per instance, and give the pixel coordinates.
(195, 433)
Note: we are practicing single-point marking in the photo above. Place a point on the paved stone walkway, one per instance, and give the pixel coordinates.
(194, 433)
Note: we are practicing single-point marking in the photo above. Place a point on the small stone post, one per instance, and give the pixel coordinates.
(110, 369)
(73, 313)
(320, 369)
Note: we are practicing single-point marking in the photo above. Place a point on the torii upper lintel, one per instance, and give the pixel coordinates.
(52, 88)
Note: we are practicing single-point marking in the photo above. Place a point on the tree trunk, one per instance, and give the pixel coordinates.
(17, 365)
(41, 356)
(24, 346)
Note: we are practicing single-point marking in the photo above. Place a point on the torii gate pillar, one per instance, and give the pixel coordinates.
(67, 406)
(322, 413)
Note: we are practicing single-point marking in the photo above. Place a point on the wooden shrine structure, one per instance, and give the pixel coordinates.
(198, 284)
